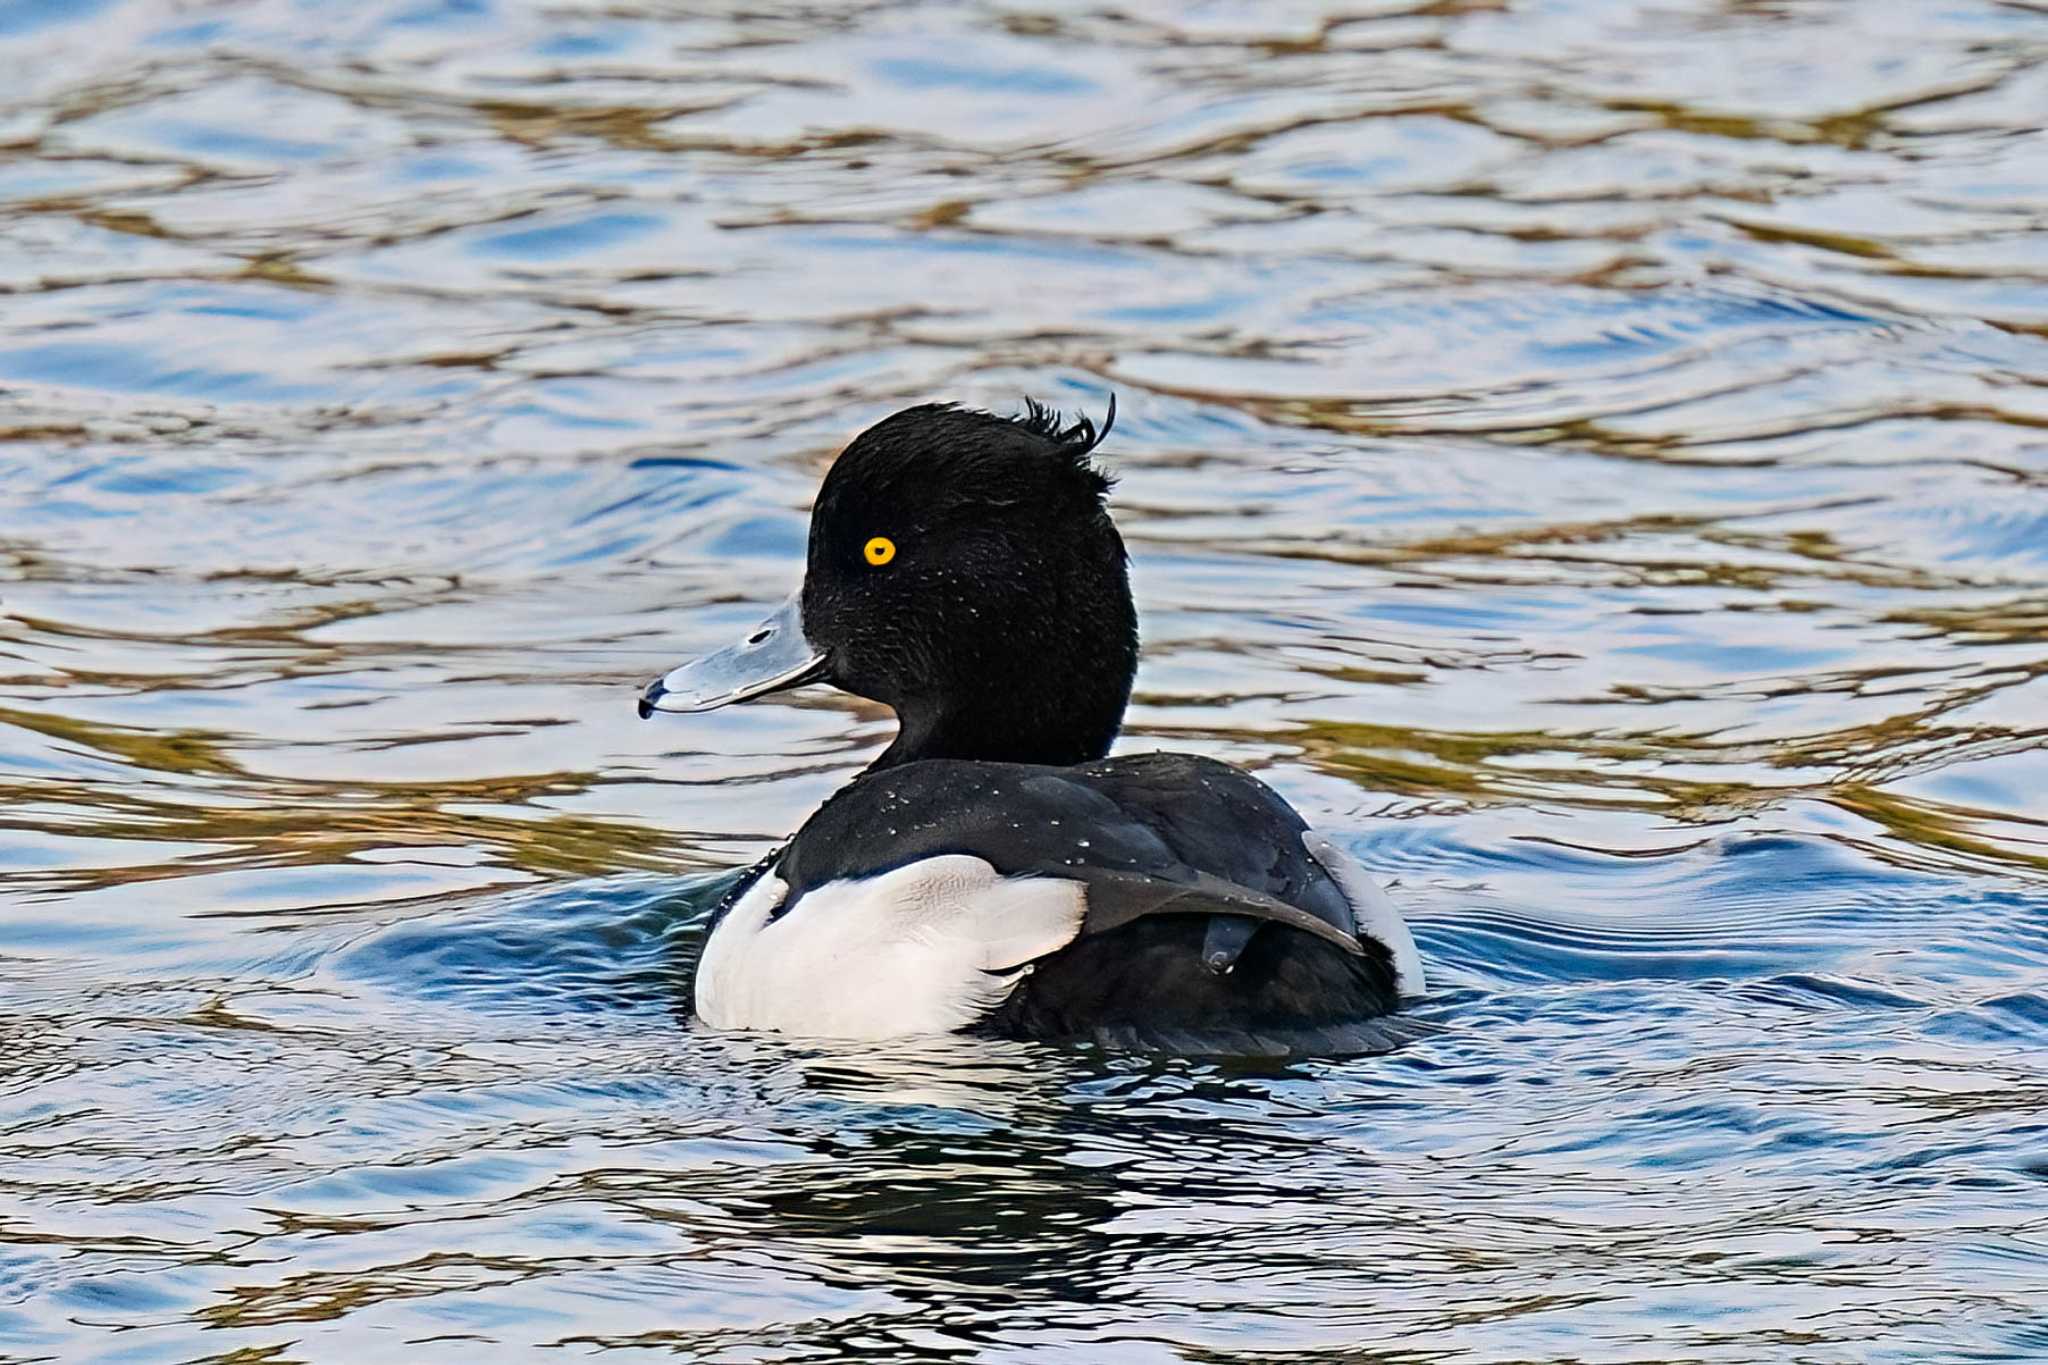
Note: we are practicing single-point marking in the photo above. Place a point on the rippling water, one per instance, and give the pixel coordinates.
(1591, 453)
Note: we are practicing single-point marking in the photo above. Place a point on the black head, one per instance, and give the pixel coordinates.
(964, 571)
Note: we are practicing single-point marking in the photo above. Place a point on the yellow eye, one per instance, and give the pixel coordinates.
(880, 551)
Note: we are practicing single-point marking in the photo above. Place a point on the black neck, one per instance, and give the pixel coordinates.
(1060, 730)
(1053, 697)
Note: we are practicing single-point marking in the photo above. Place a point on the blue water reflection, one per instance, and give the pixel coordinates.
(1588, 456)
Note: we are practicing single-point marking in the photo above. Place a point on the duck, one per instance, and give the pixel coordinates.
(994, 870)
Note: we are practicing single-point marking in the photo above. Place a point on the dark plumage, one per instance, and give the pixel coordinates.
(964, 570)
(1172, 848)
(1004, 628)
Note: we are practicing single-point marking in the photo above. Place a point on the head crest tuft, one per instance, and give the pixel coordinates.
(1077, 438)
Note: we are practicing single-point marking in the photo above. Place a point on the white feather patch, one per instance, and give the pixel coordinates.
(1377, 918)
(927, 948)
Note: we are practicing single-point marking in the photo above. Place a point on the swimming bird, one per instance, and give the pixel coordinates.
(992, 871)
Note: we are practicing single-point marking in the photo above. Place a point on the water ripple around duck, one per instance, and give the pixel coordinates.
(1587, 455)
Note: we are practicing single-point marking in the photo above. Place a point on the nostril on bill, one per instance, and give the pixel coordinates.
(758, 636)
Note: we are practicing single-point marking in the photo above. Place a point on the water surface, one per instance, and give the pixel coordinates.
(1592, 456)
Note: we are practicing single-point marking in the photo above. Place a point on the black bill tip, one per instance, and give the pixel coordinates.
(653, 694)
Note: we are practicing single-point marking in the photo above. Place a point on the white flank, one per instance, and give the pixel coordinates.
(1377, 917)
(918, 950)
